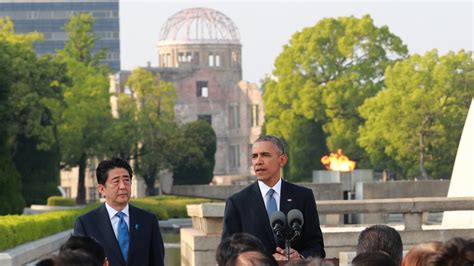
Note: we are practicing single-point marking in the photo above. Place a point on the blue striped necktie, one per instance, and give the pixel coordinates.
(271, 203)
(122, 235)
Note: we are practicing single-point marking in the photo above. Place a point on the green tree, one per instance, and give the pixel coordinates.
(325, 73)
(417, 120)
(11, 200)
(153, 102)
(305, 149)
(35, 98)
(88, 112)
(194, 154)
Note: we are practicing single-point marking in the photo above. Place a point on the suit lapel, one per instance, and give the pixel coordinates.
(108, 231)
(286, 198)
(134, 232)
(261, 212)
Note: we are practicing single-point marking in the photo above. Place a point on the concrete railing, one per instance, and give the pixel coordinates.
(198, 244)
(327, 191)
(411, 208)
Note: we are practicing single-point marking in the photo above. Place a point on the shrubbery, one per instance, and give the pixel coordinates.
(19, 229)
(61, 201)
(166, 207)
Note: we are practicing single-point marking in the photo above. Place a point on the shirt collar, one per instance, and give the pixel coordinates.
(264, 188)
(112, 212)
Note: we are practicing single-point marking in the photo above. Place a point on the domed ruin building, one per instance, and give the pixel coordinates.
(199, 50)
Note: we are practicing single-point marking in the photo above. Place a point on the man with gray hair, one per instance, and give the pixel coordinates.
(249, 210)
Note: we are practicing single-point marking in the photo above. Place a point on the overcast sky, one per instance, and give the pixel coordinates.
(266, 26)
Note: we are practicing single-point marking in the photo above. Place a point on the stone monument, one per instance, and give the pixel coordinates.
(462, 179)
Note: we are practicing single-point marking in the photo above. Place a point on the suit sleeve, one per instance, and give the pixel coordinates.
(313, 237)
(157, 249)
(232, 219)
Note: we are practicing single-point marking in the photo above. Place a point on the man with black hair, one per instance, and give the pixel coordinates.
(229, 250)
(381, 237)
(129, 235)
(249, 210)
(373, 258)
(86, 244)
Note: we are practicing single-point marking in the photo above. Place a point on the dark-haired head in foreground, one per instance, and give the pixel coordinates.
(70, 258)
(86, 244)
(230, 248)
(381, 238)
(456, 252)
(377, 258)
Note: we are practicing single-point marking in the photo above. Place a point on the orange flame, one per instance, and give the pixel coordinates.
(338, 162)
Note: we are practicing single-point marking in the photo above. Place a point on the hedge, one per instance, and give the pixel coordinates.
(19, 229)
(61, 201)
(166, 207)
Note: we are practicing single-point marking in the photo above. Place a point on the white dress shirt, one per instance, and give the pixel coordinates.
(276, 195)
(114, 220)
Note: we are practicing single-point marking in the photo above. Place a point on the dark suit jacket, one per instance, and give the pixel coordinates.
(245, 212)
(146, 245)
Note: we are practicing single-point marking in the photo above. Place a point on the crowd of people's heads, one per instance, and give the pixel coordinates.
(78, 251)
(243, 249)
(382, 245)
(377, 245)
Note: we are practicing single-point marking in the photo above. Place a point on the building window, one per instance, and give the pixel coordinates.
(211, 60)
(181, 57)
(234, 156)
(218, 60)
(234, 116)
(202, 89)
(207, 118)
(253, 115)
(235, 58)
(189, 57)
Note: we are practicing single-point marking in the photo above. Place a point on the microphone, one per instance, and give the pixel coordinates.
(295, 221)
(278, 224)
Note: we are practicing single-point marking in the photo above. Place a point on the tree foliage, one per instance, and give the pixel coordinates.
(324, 74)
(35, 98)
(305, 149)
(88, 112)
(194, 154)
(11, 200)
(417, 120)
(151, 105)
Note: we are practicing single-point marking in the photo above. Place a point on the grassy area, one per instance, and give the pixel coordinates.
(19, 229)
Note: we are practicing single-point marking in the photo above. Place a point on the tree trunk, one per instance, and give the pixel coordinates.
(150, 184)
(81, 188)
(424, 174)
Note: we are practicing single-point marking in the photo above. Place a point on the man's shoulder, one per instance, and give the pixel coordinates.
(141, 212)
(299, 188)
(92, 213)
(245, 192)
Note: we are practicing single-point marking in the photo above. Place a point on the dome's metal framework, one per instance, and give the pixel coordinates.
(199, 25)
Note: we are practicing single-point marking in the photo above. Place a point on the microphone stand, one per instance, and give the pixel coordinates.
(287, 245)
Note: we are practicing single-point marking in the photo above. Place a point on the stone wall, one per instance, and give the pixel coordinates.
(328, 191)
